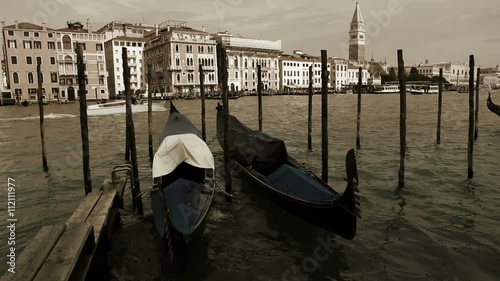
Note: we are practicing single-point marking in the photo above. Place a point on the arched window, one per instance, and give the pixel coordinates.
(178, 78)
(236, 61)
(66, 42)
(31, 78)
(212, 62)
(177, 61)
(187, 48)
(176, 48)
(236, 75)
(15, 77)
(246, 63)
(246, 75)
(202, 49)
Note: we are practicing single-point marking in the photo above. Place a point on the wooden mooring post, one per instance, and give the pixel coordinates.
(470, 144)
(150, 117)
(440, 106)
(324, 117)
(136, 185)
(476, 115)
(40, 107)
(358, 127)
(309, 110)
(259, 94)
(402, 119)
(223, 71)
(203, 111)
(83, 119)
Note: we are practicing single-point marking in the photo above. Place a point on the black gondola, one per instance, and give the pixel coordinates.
(264, 161)
(182, 169)
(493, 107)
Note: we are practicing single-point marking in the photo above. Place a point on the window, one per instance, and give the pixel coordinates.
(236, 75)
(13, 60)
(53, 60)
(26, 34)
(31, 78)
(51, 45)
(37, 34)
(11, 33)
(37, 44)
(15, 77)
(66, 42)
(29, 60)
(101, 81)
(178, 78)
(12, 44)
(51, 35)
(27, 44)
(98, 47)
(38, 60)
(53, 77)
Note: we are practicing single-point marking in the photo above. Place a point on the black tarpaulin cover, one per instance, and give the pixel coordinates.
(253, 148)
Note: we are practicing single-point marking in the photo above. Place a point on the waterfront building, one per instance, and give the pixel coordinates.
(175, 52)
(339, 71)
(294, 72)
(114, 63)
(93, 57)
(357, 36)
(455, 73)
(117, 35)
(244, 56)
(26, 45)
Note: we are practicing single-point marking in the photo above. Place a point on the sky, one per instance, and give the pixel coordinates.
(437, 30)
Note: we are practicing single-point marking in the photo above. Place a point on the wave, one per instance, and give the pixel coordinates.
(36, 117)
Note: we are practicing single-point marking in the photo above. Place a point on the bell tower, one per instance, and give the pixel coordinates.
(357, 36)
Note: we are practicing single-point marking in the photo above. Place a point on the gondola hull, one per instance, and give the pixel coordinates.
(338, 214)
(493, 107)
(182, 169)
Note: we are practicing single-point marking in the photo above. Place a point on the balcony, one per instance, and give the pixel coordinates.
(103, 73)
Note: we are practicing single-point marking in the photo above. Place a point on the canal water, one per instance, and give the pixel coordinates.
(441, 226)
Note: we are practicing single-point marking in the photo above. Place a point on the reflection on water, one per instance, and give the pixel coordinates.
(441, 226)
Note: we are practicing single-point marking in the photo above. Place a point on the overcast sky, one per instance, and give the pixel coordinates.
(438, 30)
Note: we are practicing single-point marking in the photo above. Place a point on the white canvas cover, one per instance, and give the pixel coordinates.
(176, 149)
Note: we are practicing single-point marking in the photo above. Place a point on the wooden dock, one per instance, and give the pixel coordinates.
(75, 250)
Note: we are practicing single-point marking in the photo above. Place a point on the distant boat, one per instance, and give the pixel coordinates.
(493, 107)
(118, 107)
(388, 89)
(420, 90)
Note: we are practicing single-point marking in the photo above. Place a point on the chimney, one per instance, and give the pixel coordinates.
(89, 26)
(44, 26)
(426, 61)
(203, 28)
(124, 29)
(17, 24)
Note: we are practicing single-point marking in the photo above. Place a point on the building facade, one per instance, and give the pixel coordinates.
(357, 36)
(294, 72)
(175, 52)
(114, 62)
(457, 74)
(94, 59)
(244, 57)
(130, 35)
(25, 46)
(339, 73)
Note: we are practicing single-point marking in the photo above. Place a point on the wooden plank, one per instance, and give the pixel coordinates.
(36, 252)
(63, 258)
(85, 208)
(99, 216)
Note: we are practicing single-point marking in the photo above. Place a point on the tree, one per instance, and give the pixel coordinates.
(376, 70)
(392, 75)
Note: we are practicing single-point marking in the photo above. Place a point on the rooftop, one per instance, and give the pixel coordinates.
(27, 26)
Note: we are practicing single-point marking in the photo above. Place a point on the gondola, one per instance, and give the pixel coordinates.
(182, 169)
(264, 162)
(493, 107)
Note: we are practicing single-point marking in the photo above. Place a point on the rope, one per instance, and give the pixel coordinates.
(222, 188)
(212, 140)
(143, 193)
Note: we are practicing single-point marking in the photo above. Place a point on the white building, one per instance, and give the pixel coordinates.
(457, 74)
(339, 70)
(353, 75)
(244, 56)
(295, 71)
(114, 63)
